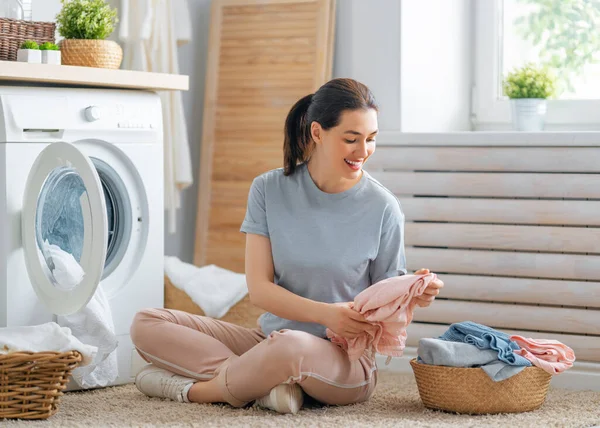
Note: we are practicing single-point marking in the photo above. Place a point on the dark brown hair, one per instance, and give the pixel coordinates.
(325, 107)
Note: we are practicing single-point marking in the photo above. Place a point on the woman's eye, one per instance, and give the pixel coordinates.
(350, 141)
(372, 140)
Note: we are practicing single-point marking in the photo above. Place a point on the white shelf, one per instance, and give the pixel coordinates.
(12, 71)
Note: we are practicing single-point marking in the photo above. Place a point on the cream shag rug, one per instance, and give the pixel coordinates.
(396, 403)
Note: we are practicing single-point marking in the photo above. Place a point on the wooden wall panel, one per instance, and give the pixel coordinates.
(264, 55)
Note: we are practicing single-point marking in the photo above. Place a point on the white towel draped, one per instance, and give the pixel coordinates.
(151, 36)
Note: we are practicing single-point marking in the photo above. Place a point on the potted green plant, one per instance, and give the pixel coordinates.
(29, 52)
(50, 53)
(528, 88)
(85, 24)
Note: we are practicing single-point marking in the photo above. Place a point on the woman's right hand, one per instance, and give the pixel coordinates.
(345, 321)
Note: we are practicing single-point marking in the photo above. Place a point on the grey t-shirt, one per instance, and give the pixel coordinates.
(326, 247)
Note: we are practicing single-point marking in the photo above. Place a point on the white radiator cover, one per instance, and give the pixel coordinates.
(514, 233)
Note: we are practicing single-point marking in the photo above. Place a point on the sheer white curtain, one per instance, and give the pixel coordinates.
(150, 31)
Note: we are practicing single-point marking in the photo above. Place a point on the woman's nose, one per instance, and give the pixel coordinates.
(362, 150)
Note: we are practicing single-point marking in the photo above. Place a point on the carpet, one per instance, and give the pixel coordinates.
(395, 403)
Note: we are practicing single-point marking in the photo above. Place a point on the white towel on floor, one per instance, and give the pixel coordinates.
(94, 325)
(42, 338)
(212, 288)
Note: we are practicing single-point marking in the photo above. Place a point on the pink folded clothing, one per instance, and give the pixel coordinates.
(389, 304)
(550, 355)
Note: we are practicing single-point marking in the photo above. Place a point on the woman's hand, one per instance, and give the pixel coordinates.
(345, 321)
(432, 290)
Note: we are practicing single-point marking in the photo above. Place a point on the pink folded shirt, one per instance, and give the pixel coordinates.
(388, 304)
(550, 355)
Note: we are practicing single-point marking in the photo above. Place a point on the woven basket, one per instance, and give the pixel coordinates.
(31, 383)
(91, 53)
(13, 32)
(471, 391)
(244, 313)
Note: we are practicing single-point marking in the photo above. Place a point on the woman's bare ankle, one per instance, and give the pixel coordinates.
(206, 392)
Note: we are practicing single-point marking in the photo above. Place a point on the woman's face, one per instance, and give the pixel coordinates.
(346, 147)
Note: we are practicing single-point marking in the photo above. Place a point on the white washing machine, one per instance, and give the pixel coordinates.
(81, 169)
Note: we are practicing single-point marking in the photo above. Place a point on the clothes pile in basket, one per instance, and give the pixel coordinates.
(468, 344)
(48, 337)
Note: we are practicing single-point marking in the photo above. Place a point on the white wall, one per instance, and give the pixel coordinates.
(435, 65)
(44, 10)
(367, 48)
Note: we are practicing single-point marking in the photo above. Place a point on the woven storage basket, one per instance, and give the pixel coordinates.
(13, 32)
(244, 313)
(31, 383)
(91, 53)
(471, 391)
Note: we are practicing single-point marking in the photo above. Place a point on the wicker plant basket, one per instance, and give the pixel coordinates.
(91, 53)
(13, 32)
(31, 383)
(471, 391)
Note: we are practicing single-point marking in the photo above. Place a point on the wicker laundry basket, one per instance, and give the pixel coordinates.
(471, 391)
(31, 383)
(13, 32)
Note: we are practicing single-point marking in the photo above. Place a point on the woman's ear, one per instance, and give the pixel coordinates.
(316, 132)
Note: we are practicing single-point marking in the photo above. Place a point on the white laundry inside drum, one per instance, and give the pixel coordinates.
(67, 272)
(62, 215)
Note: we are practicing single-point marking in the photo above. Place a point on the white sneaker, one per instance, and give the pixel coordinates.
(284, 398)
(156, 382)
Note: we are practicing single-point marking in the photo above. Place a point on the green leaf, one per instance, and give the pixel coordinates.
(86, 19)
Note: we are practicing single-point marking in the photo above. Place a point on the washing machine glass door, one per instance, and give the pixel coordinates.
(64, 228)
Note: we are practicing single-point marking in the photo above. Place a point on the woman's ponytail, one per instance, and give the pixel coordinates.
(297, 140)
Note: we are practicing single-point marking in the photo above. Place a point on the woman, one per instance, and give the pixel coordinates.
(318, 232)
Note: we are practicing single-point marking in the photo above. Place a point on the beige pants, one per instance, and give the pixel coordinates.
(247, 364)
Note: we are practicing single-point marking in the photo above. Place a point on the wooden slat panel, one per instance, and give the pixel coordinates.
(521, 290)
(267, 18)
(574, 213)
(528, 159)
(530, 265)
(253, 79)
(230, 194)
(508, 185)
(586, 348)
(245, 8)
(289, 44)
(504, 237)
(241, 27)
(526, 317)
(232, 68)
(285, 57)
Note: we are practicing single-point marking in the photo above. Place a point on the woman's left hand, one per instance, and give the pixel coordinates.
(432, 290)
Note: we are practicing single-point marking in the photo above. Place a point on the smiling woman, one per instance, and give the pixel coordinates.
(319, 231)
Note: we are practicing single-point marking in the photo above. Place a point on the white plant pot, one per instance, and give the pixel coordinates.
(29, 55)
(528, 114)
(51, 57)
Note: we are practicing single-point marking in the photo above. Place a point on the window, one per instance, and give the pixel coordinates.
(509, 33)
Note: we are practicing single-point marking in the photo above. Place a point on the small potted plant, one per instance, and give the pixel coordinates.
(50, 53)
(528, 88)
(29, 52)
(85, 24)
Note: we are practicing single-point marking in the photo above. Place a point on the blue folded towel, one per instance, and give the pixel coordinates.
(459, 354)
(486, 338)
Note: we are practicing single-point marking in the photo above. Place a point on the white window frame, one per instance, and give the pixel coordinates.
(491, 113)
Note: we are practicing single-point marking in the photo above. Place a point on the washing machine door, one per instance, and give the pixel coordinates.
(64, 228)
